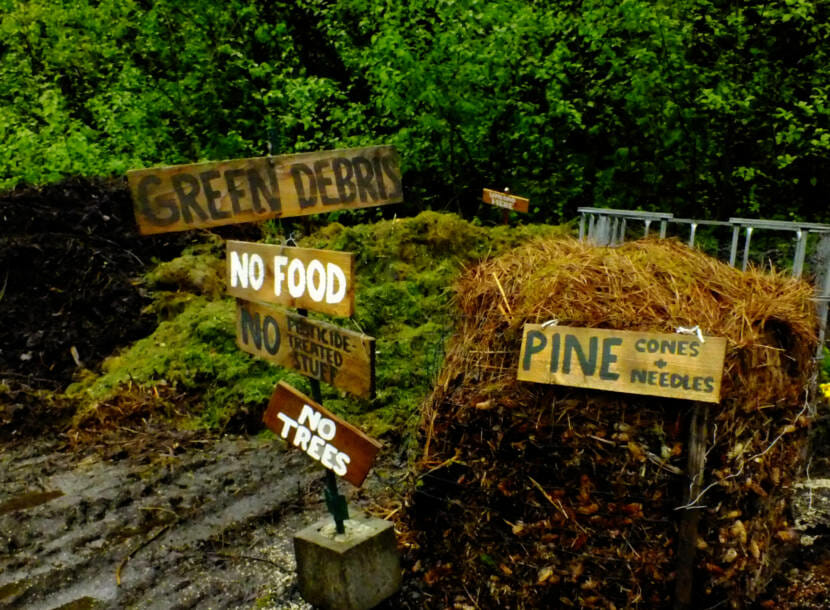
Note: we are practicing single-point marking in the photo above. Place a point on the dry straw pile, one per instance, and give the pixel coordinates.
(534, 495)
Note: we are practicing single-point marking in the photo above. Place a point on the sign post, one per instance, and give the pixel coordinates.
(687, 533)
(335, 501)
(211, 194)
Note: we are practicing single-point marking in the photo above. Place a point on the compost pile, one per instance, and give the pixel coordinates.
(533, 495)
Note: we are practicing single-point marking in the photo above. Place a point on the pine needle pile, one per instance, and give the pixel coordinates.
(533, 495)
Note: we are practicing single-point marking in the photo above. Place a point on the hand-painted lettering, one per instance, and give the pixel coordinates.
(312, 433)
(316, 289)
(257, 329)
(166, 203)
(638, 362)
(680, 347)
(329, 454)
(258, 187)
(363, 175)
(341, 463)
(247, 270)
(588, 363)
(315, 446)
(379, 175)
(608, 358)
(287, 424)
(394, 175)
(556, 342)
(536, 342)
(346, 189)
(303, 175)
(251, 324)
(187, 187)
(271, 335)
(296, 278)
(665, 379)
(184, 197)
(212, 195)
(234, 192)
(309, 417)
(323, 182)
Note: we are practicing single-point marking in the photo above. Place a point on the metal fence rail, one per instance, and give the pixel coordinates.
(607, 227)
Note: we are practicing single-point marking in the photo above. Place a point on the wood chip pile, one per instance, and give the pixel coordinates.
(533, 495)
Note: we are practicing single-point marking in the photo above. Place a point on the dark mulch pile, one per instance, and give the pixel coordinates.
(69, 257)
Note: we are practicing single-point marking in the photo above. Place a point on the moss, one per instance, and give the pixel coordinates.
(197, 271)
(405, 270)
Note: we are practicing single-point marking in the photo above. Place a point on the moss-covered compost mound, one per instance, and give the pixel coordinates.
(540, 496)
(190, 366)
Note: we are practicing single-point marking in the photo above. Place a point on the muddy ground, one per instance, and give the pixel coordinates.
(157, 519)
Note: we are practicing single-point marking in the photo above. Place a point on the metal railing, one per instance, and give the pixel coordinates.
(607, 227)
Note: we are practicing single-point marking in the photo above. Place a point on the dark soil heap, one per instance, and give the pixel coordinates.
(70, 256)
(533, 495)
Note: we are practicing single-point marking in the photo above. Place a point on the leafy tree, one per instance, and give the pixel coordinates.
(701, 107)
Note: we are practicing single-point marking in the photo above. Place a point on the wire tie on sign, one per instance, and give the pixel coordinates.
(551, 322)
(694, 330)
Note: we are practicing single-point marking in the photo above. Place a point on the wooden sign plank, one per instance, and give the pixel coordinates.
(657, 364)
(506, 201)
(181, 197)
(323, 436)
(319, 280)
(339, 357)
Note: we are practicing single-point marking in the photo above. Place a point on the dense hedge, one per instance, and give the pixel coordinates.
(702, 107)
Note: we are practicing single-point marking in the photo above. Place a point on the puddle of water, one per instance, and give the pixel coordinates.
(29, 500)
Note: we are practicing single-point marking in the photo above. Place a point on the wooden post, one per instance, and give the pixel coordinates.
(687, 543)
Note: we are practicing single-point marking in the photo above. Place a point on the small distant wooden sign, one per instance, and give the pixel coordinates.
(181, 197)
(505, 200)
(319, 280)
(656, 364)
(323, 436)
(339, 357)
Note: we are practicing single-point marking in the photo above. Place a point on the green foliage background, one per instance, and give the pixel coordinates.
(701, 107)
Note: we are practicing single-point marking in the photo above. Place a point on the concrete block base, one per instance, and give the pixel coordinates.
(352, 571)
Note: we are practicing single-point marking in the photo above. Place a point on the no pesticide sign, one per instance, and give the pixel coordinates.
(339, 357)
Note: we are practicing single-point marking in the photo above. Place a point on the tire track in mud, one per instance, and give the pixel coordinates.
(207, 523)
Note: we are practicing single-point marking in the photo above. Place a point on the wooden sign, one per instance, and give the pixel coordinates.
(339, 357)
(182, 197)
(320, 280)
(505, 200)
(323, 436)
(657, 364)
